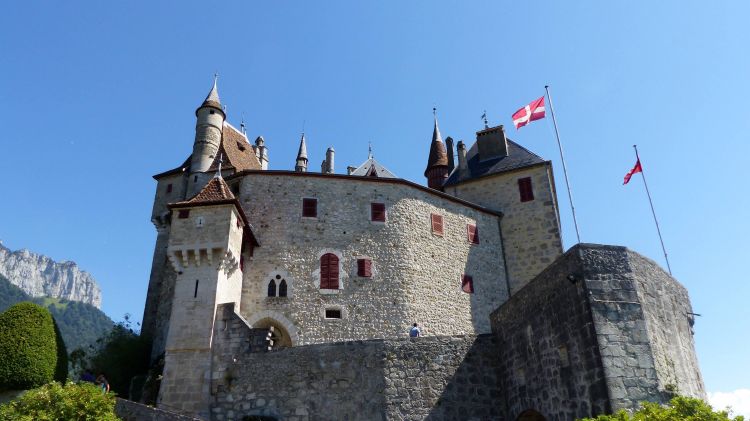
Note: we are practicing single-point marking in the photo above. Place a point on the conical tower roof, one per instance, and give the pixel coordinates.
(438, 153)
(212, 99)
(302, 148)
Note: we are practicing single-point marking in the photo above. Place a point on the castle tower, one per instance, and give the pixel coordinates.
(262, 152)
(301, 165)
(208, 127)
(437, 165)
(206, 240)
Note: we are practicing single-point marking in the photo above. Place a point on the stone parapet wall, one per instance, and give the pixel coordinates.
(131, 411)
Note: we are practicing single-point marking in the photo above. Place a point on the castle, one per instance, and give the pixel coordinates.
(290, 294)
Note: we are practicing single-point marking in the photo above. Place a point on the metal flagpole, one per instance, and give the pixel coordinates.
(643, 175)
(565, 170)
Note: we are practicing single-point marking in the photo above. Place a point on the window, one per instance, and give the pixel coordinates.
(277, 284)
(169, 188)
(524, 188)
(333, 313)
(473, 233)
(282, 288)
(183, 213)
(437, 224)
(329, 271)
(310, 208)
(272, 288)
(195, 293)
(467, 284)
(364, 268)
(377, 212)
(195, 179)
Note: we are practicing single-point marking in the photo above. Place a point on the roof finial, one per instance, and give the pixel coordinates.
(434, 111)
(242, 125)
(218, 171)
(484, 116)
(369, 150)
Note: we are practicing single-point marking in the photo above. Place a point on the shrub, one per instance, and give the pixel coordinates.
(54, 401)
(61, 368)
(28, 347)
(123, 354)
(680, 408)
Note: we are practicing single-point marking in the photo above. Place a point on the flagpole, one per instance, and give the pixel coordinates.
(643, 175)
(562, 158)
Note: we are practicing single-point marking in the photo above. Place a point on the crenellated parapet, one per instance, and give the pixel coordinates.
(217, 254)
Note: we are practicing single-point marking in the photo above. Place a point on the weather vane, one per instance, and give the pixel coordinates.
(484, 117)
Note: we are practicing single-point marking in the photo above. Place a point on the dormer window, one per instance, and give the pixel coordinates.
(525, 190)
(169, 188)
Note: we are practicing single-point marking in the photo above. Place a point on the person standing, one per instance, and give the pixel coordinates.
(415, 332)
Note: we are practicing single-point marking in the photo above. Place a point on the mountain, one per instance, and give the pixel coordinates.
(38, 276)
(80, 324)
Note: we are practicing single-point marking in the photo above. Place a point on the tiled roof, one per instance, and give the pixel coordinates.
(236, 151)
(438, 154)
(518, 157)
(373, 168)
(214, 192)
(212, 99)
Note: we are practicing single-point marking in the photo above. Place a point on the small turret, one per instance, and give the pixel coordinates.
(329, 160)
(262, 152)
(437, 164)
(301, 165)
(463, 165)
(208, 128)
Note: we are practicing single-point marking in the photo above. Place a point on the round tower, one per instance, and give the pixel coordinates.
(208, 127)
(437, 164)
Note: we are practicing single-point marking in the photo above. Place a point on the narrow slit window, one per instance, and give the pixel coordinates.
(310, 208)
(272, 288)
(525, 189)
(437, 224)
(195, 293)
(282, 288)
(377, 212)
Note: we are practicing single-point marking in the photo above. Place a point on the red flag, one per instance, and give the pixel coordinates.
(635, 169)
(531, 112)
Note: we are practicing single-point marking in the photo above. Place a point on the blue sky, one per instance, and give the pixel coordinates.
(97, 97)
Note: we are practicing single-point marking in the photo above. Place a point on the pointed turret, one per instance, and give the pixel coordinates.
(208, 129)
(212, 99)
(301, 165)
(437, 164)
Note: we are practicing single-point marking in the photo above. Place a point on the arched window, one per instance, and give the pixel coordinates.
(282, 288)
(329, 271)
(272, 288)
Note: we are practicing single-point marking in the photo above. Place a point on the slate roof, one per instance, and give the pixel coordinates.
(518, 157)
(372, 168)
(438, 153)
(237, 154)
(302, 153)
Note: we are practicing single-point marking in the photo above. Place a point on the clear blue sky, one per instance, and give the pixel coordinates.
(97, 97)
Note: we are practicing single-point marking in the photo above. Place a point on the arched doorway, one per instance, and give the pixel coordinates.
(530, 415)
(279, 334)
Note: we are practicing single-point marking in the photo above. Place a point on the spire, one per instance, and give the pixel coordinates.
(218, 171)
(436, 131)
(212, 99)
(301, 164)
(438, 154)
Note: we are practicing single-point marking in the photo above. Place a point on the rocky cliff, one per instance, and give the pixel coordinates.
(39, 275)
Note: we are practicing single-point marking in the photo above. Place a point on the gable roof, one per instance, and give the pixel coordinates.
(236, 150)
(518, 157)
(373, 168)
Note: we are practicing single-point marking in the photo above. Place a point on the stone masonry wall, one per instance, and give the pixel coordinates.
(531, 230)
(132, 411)
(548, 350)
(416, 274)
(432, 378)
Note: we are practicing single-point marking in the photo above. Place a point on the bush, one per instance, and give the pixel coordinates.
(61, 368)
(123, 354)
(28, 347)
(54, 401)
(680, 408)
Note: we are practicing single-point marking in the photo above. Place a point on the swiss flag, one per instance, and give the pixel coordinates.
(636, 169)
(531, 112)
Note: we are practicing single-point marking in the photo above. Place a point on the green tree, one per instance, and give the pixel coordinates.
(53, 401)
(122, 355)
(28, 346)
(680, 408)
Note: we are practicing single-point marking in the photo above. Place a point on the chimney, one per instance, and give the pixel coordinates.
(492, 143)
(323, 167)
(329, 160)
(350, 170)
(463, 166)
(451, 161)
(262, 152)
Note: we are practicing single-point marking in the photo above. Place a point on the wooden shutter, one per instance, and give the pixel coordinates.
(364, 268)
(377, 211)
(329, 271)
(467, 284)
(437, 223)
(473, 233)
(310, 208)
(525, 190)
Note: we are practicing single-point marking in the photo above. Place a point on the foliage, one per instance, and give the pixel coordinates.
(122, 355)
(28, 347)
(80, 324)
(54, 401)
(61, 368)
(680, 408)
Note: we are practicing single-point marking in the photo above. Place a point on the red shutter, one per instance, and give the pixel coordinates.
(437, 223)
(377, 211)
(525, 190)
(310, 208)
(473, 233)
(467, 284)
(329, 271)
(364, 268)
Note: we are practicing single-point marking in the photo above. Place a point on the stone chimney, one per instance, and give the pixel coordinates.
(463, 165)
(451, 159)
(329, 161)
(262, 152)
(492, 143)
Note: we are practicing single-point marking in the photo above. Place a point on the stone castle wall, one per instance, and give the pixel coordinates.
(531, 230)
(416, 274)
